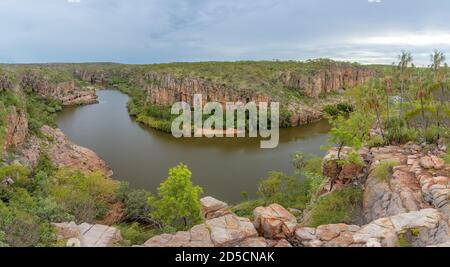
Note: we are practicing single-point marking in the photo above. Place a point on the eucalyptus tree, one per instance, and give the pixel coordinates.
(439, 83)
(437, 60)
(387, 86)
(405, 58)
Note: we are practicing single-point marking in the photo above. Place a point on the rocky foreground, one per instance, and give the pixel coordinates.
(409, 207)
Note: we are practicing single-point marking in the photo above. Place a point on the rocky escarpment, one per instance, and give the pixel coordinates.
(16, 128)
(408, 207)
(62, 152)
(5, 82)
(274, 226)
(65, 91)
(415, 179)
(93, 77)
(328, 79)
(165, 89)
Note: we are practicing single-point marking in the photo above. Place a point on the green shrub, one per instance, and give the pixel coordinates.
(337, 207)
(134, 234)
(245, 209)
(376, 141)
(178, 201)
(384, 170)
(314, 166)
(331, 110)
(24, 229)
(135, 203)
(3, 243)
(344, 108)
(397, 133)
(85, 196)
(288, 191)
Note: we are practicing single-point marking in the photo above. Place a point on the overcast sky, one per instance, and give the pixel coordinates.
(153, 31)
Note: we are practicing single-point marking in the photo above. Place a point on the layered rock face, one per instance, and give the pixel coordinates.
(5, 82)
(422, 228)
(98, 78)
(330, 79)
(420, 181)
(66, 91)
(16, 128)
(274, 226)
(166, 89)
(62, 152)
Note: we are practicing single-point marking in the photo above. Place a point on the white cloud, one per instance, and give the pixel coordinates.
(410, 39)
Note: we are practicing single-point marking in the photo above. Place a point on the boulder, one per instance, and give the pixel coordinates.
(213, 208)
(432, 162)
(274, 222)
(230, 230)
(88, 235)
(225, 231)
(198, 236)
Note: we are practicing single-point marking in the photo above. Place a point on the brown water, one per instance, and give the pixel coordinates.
(224, 167)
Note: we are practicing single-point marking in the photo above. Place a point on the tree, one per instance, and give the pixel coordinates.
(405, 58)
(421, 89)
(351, 132)
(437, 59)
(178, 202)
(387, 85)
(374, 101)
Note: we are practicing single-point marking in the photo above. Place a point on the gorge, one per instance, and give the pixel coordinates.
(382, 179)
(224, 167)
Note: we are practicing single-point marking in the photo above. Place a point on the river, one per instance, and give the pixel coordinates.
(224, 167)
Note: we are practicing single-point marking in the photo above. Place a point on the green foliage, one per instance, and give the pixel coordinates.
(337, 207)
(3, 243)
(376, 141)
(135, 234)
(245, 209)
(314, 166)
(83, 195)
(135, 203)
(403, 242)
(41, 112)
(385, 169)
(331, 110)
(289, 191)
(397, 133)
(446, 157)
(351, 131)
(178, 201)
(341, 108)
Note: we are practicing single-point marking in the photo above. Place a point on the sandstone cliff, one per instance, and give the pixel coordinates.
(329, 79)
(16, 128)
(66, 91)
(62, 152)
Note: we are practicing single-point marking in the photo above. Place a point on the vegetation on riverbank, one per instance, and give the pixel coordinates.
(404, 104)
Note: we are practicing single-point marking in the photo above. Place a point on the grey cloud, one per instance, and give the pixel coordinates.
(148, 31)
